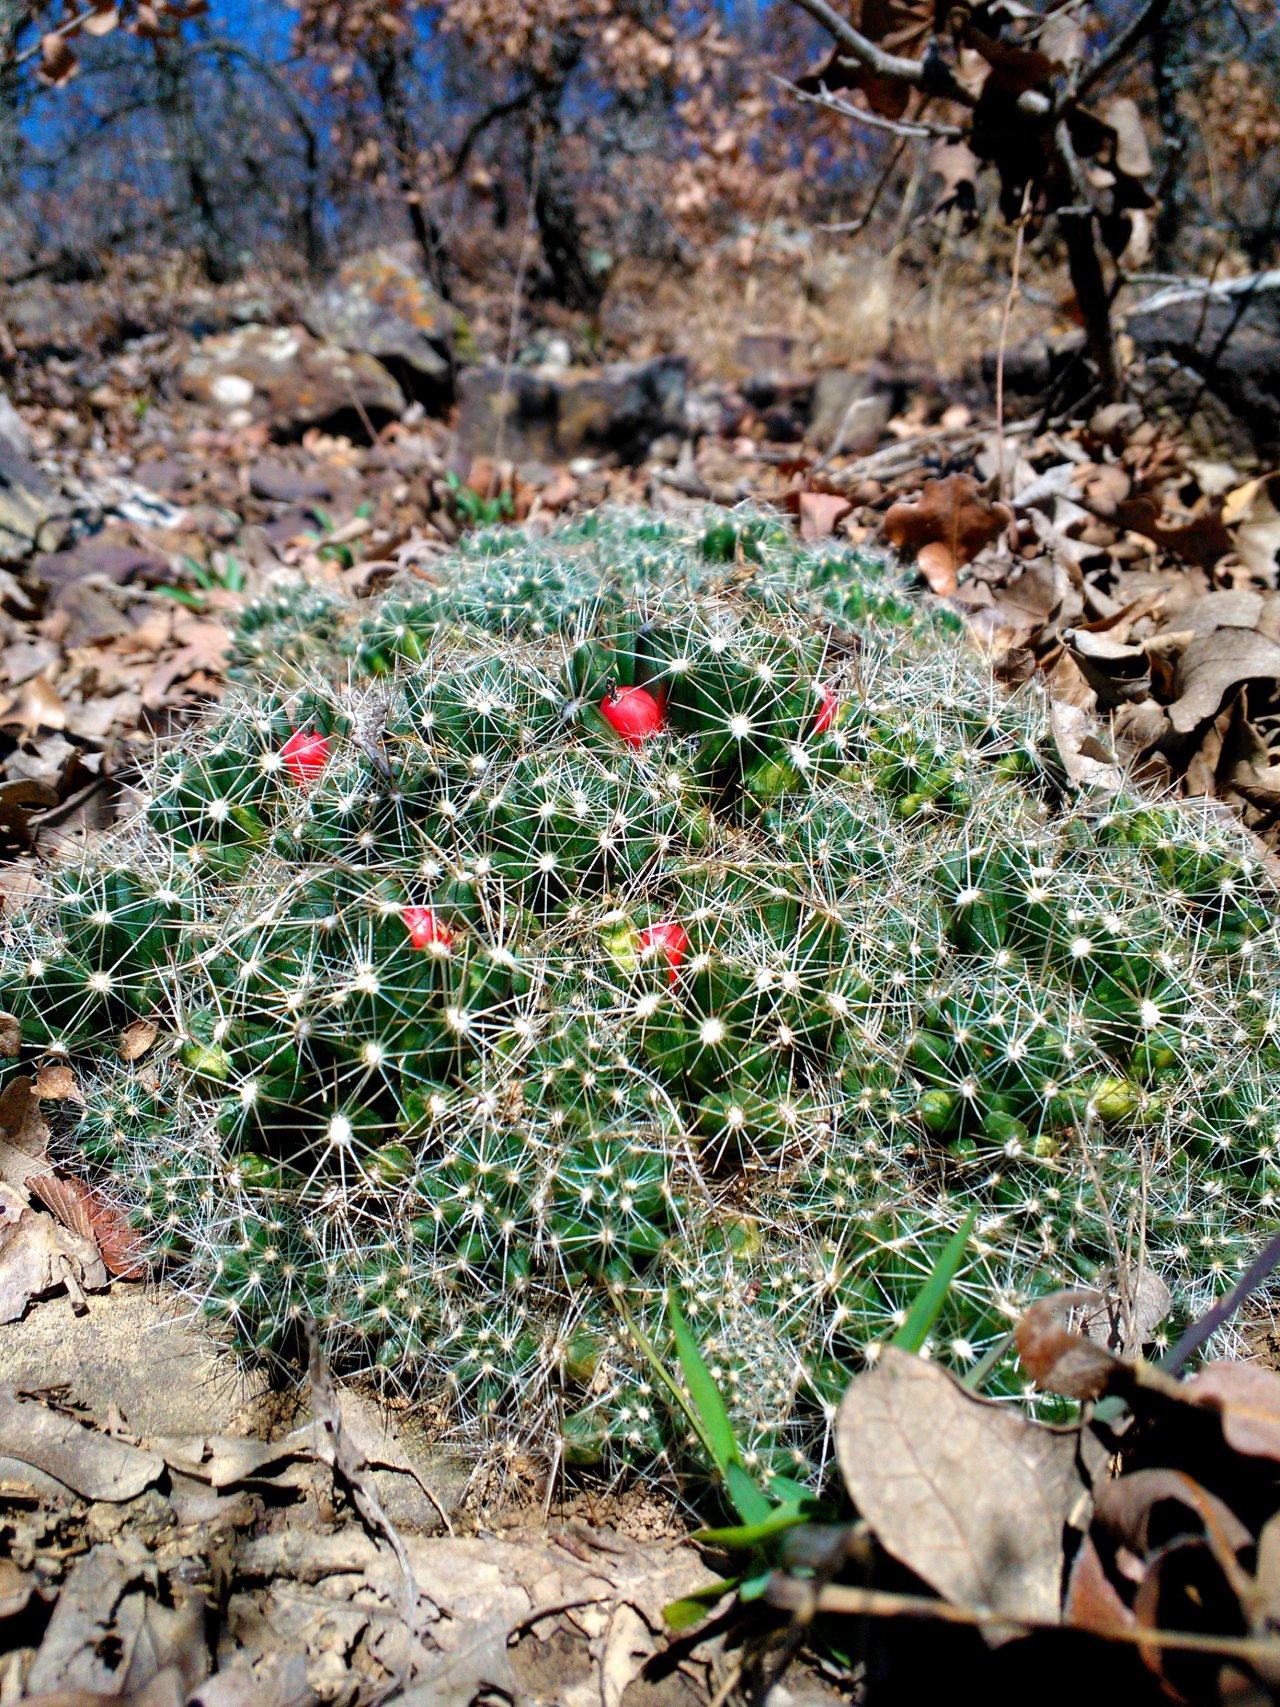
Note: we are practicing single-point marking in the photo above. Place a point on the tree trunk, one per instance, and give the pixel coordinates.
(563, 244)
(1165, 42)
(177, 106)
(387, 65)
(12, 14)
(1079, 234)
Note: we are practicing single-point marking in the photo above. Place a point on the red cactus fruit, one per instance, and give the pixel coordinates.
(826, 711)
(672, 939)
(305, 755)
(634, 713)
(425, 929)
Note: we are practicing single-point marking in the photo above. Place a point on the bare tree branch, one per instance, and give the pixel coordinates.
(1120, 48)
(858, 47)
(896, 127)
(924, 73)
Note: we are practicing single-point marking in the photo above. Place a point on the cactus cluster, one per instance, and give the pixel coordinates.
(654, 908)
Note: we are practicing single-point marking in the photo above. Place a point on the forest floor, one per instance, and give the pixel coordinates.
(161, 1511)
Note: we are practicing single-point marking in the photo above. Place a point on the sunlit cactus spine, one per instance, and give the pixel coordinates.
(709, 927)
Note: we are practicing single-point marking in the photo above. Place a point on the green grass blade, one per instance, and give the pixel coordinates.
(704, 1393)
(932, 1295)
(673, 1387)
(692, 1608)
(751, 1504)
(752, 1534)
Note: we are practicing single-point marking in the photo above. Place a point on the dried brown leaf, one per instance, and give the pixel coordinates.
(1117, 671)
(10, 1036)
(1252, 512)
(1085, 759)
(938, 566)
(103, 20)
(1058, 1360)
(136, 1038)
(1212, 665)
(1092, 1601)
(58, 63)
(56, 1083)
(95, 1465)
(1248, 1398)
(949, 512)
(38, 1256)
(969, 1495)
(819, 514)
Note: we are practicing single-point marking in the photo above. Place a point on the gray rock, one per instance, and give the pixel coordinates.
(13, 429)
(543, 416)
(1217, 348)
(849, 412)
(33, 513)
(287, 377)
(378, 305)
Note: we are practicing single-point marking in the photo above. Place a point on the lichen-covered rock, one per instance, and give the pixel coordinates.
(380, 305)
(654, 909)
(286, 377)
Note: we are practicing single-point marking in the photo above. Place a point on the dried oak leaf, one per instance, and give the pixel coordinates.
(820, 512)
(948, 513)
(1247, 1397)
(1252, 512)
(1212, 665)
(971, 1496)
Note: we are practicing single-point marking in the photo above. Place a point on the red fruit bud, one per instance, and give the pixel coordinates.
(425, 929)
(634, 713)
(672, 939)
(830, 705)
(305, 755)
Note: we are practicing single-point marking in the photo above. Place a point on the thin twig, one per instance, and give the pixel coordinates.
(67, 27)
(1009, 301)
(896, 127)
(794, 1595)
(1124, 44)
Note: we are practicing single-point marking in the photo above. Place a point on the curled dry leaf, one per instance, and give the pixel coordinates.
(1212, 665)
(1058, 1360)
(1252, 512)
(56, 1083)
(38, 1256)
(1125, 1322)
(1119, 673)
(971, 1496)
(1247, 1397)
(10, 1036)
(1086, 761)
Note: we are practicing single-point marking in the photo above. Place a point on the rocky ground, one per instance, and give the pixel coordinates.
(171, 1529)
